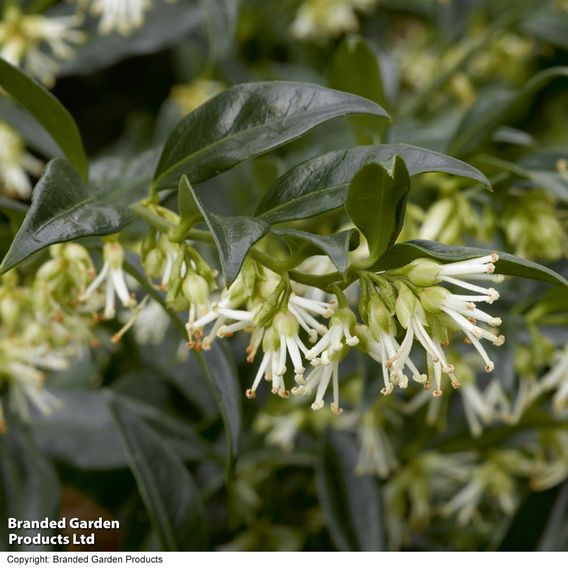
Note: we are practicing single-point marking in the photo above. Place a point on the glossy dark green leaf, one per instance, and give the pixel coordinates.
(124, 180)
(246, 121)
(508, 264)
(187, 204)
(233, 236)
(224, 382)
(222, 16)
(321, 184)
(355, 69)
(48, 111)
(336, 246)
(376, 204)
(29, 488)
(493, 109)
(63, 209)
(555, 535)
(550, 533)
(352, 504)
(165, 485)
(81, 433)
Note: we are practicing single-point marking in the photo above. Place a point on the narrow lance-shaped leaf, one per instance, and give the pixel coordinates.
(29, 488)
(322, 183)
(63, 209)
(493, 109)
(233, 236)
(352, 504)
(165, 485)
(225, 385)
(355, 68)
(508, 264)
(376, 204)
(246, 121)
(48, 111)
(335, 246)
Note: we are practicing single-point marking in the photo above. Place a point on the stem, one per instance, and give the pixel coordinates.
(152, 219)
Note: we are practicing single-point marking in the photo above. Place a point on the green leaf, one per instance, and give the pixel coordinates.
(48, 111)
(336, 246)
(29, 488)
(187, 201)
(322, 183)
(493, 109)
(246, 121)
(165, 485)
(376, 204)
(352, 504)
(222, 16)
(550, 533)
(233, 236)
(124, 180)
(63, 209)
(355, 69)
(224, 382)
(508, 264)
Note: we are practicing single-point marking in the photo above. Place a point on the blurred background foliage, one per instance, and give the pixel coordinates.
(141, 435)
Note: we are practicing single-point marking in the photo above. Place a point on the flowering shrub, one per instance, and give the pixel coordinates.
(374, 224)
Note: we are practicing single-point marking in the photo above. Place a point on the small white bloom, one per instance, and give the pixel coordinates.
(122, 16)
(556, 379)
(113, 278)
(16, 164)
(22, 37)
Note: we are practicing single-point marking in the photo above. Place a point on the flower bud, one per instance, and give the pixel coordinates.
(433, 297)
(196, 289)
(114, 254)
(285, 323)
(422, 272)
(406, 305)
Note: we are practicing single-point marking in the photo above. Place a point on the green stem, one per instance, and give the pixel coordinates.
(163, 225)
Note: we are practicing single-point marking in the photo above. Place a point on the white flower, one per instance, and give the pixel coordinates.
(151, 324)
(27, 381)
(463, 311)
(122, 16)
(376, 456)
(279, 341)
(321, 19)
(16, 164)
(338, 334)
(113, 278)
(318, 380)
(23, 37)
(555, 379)
(494, 478)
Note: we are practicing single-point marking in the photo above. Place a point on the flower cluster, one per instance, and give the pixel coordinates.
(24, 37)
(122, 16)
(16, 164)
(323, 19)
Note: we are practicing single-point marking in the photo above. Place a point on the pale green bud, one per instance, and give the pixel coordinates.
(380, 319)
(285, 323)
(270, 341)
(422, 272)
(153, 263)
(10, 311)
(114, 254)
(433, 297)
(196, 289)
(406, 305)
